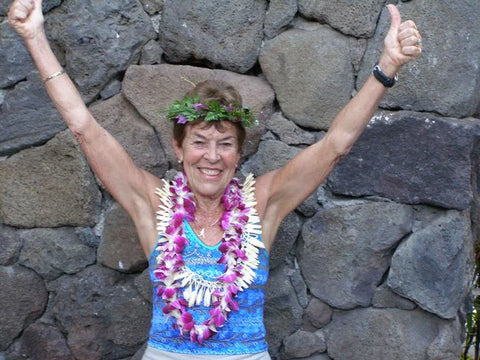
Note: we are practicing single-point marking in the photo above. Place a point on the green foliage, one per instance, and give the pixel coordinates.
(472, 324)
(190, 109)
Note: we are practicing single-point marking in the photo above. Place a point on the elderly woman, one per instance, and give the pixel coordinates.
(205, 233)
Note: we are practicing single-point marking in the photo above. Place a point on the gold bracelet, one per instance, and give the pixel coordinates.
(54, 75)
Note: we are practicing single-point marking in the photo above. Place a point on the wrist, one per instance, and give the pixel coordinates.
(388, 66)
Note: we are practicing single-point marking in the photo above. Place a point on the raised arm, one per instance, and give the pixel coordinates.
(282, 190)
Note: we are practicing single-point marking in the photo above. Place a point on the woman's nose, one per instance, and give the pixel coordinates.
(212, 153)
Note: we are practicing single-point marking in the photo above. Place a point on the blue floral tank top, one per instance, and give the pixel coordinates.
(243, 332)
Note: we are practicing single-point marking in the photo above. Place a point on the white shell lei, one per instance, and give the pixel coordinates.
(198, 290)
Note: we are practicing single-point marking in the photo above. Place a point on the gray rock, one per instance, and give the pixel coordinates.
(344, 252)
(271, 155)
(311, 73)
(40, 342)
(107, 37)
(287, 131)
(27, 116)
(317, 314)
(136, 136)
(279, 15)
(144, 285)
(54, 252)
(433, 267)
(386, 298)
(222, 33)
(302, 344)
(449, 342)
(420, 87)
(49, 186)
(23, 298)
(120, 247)
(168, 83)
(102, 314)
(286, 236)
(152, 6)
(356, 18)
(282, 311)
(111, 89)
(413, 158)
(151, 53)
(15, 62)
(407, 333)
(10, 245)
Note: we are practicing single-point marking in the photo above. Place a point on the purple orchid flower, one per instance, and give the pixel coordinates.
(181, 119)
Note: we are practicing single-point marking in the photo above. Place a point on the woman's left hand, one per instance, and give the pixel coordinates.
(402, 44)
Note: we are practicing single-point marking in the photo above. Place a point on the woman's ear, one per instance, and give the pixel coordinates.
(178, 151)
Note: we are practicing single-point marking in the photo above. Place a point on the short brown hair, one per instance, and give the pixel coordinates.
(213, 90)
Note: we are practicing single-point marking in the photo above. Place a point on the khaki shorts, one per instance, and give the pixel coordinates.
(155, 354)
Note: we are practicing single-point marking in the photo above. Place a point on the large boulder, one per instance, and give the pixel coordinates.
(311, 73)
(413, 158)
(356, 18)
(102, 314)
(390, 335)
(27, 116)
(49, 186)
(23, 298)
(434, 266)
(222, 33)
(345, 251)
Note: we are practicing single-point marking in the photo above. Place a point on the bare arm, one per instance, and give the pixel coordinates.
(127, 184)
(282, 190)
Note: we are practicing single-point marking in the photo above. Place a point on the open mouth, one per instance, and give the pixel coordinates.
(210, 172)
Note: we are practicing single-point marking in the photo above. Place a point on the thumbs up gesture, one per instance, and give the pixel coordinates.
(402, 44)
(26, 18)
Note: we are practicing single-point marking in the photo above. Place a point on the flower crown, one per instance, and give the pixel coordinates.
(190, 109)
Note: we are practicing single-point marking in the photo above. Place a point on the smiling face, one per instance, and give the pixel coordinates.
(209, 157)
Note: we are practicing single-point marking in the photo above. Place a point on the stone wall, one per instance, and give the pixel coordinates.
(376, 264)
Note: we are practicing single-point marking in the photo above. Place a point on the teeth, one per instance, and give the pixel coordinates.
(210, 172)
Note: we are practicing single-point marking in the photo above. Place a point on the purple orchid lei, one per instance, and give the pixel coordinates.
(239, 260)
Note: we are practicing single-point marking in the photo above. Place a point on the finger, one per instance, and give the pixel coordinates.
(395, 17)
(412, 51)
(407, 24)
(20, 9)
(408, 32)
(411, 41)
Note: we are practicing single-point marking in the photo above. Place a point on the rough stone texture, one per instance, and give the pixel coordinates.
(356, 18)
(385, 298)
(286, 237)
(40, 342)
(279, 15)
(287, 131)
(302, 344)
(317, 314)
(413, 158)
(344, 252)
(54, 180)
(152, 6)
(312, 79)
(433, 267)
(282, 310)
(102, 312)
(420, 87)
(27, 117)
(10, 245)
(23, 298)
(167, 83)
(99, 39)
(407, 333)
(136, 136)
(120, 247)
(225, 33)
(15, 62)
(54, 252)
(271, 155)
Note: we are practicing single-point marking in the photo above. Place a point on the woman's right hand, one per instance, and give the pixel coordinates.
(26, 18)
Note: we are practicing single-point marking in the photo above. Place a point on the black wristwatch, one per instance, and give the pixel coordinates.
(384, 79)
